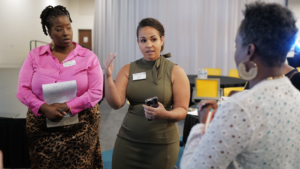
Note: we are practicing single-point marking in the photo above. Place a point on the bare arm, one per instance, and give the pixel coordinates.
(181, 94)
(115, 92)
(181, 97)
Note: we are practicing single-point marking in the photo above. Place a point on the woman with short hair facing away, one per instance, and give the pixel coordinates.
(148, 137)
(256, 128)
(70, 146)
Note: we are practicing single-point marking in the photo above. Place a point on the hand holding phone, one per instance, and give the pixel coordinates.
(152, 102)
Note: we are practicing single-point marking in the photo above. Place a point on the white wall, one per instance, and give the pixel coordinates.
(294, 5)
(82, 14)
(20, 23)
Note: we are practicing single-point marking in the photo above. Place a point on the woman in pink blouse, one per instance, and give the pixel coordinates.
(69, 146)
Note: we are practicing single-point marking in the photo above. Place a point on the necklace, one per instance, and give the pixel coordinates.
(277, 77)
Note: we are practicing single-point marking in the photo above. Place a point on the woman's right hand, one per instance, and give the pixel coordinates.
(52, 112)
(207, 106)
(108, 65)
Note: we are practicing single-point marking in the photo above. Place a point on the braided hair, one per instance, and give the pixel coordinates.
(50, 13)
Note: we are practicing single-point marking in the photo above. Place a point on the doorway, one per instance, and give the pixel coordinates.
(85, 38)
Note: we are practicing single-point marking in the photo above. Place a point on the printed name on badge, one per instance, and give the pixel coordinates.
(139, 76)
(69, 63)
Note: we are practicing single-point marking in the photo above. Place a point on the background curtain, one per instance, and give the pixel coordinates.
(198, 33)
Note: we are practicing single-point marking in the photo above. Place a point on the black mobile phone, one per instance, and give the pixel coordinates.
(153, 102)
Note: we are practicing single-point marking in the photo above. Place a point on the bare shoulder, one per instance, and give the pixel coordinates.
(125, 70)
(177, 69)
(178, 73)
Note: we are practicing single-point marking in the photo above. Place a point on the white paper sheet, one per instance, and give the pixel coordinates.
(59, 92)
(193, 112)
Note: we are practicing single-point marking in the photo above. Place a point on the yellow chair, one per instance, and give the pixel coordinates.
(206, 89)
(298, 68)
(213, 71)
(234, 73)
(227, 90)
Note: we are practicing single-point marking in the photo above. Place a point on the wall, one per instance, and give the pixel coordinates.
(20, 23)
(294, 5)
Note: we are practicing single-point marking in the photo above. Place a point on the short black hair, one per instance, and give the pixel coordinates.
(271, 28)
(152, 23)
(50, 13)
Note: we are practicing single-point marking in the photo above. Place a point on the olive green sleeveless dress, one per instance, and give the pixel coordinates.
(143, 144)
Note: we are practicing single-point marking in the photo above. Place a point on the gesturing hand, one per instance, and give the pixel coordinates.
(108, 65)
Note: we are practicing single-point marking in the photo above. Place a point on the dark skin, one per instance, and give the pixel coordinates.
(248, 53)
(61, 34)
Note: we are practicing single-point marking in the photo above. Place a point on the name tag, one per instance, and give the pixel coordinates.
(139, 76)
(69, 63)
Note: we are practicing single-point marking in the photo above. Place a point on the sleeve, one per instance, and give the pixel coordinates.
(24, 93)
(228, 135)
(95, 89)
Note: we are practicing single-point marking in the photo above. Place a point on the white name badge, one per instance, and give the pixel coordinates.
(139, 76)
(69, 63)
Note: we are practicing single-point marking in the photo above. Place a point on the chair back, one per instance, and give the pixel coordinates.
(213, 71)
(206, 89)
(298, 68)
(234, 73)
(227, 90)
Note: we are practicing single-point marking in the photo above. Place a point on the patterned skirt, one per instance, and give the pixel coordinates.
(72, 146)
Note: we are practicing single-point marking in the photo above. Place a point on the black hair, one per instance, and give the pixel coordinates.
(152, 23)
(271, 28)
(50, 13)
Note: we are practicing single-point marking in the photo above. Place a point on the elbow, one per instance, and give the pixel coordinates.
(113, 106)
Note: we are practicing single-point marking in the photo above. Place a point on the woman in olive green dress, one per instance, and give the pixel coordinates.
(141, 143)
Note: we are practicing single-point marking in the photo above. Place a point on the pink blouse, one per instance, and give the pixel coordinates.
(41, 67)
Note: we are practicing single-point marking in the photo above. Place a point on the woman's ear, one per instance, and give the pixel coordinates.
(49, 33)
(250, 51)
(162, 38)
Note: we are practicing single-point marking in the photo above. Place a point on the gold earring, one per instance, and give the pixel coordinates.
(247, 75)
(52, 45)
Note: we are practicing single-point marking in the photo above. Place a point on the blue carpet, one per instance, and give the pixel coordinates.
(107, 158)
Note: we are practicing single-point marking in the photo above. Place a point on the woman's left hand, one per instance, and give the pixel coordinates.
(158, 113)
(61, 106)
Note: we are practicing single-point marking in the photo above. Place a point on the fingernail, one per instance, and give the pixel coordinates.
(211, 109)
(199, 109)
(197, 106)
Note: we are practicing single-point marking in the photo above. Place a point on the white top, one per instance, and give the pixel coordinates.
(257, 128)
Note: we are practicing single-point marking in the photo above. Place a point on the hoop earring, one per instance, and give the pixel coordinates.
(247, 75)
(52, 45)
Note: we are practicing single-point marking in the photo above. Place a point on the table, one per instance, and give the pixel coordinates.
(189, 122)
(13, 141)
(225, 81)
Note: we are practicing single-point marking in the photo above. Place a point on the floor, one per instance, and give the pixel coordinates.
(10, 106)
